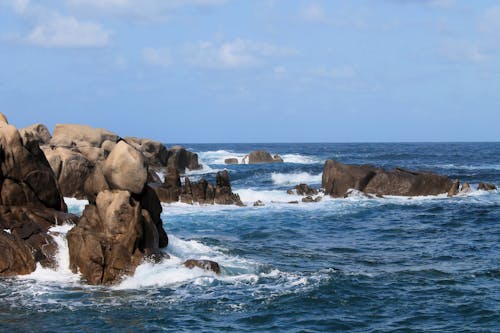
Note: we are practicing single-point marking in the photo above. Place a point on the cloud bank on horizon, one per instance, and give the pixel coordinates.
(256, 71)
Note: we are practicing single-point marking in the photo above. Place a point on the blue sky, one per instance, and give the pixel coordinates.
(255, 71)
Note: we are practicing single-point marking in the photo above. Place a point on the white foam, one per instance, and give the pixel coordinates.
(295, 178)
(249, 196)
(7, 230)
(62, 273)
(205, 169)
(75, 206)
(300, 159)
(218, 156)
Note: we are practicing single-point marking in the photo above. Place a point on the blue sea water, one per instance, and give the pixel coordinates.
(396, 264)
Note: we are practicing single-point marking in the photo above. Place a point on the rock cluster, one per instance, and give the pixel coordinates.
(201, 192)
(261, 156)
(30, 204)
(338, 179)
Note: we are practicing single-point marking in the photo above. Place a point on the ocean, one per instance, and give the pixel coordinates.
(394, 264)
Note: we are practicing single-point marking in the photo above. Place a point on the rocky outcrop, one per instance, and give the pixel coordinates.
(206, 265)
(112, 238)
(201, 192)
(338, 178)
(261, 156)
(454, 189)
(304, 189)
(70, 135)
(122, 225)
(155, 153)
(486, 186)
(182, 159)
(231, 160)
(38, 132)
(30, 204)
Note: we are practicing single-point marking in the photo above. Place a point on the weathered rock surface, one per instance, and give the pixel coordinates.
(454, 189)
(125, 169)
(182, 159)
(206, 265)
(261, 156)
(338, 178)
(30, 203)
(201, 192)
(466, 188)
(231, 160)
(155, 153)
(258, 203)
(38, 132)
(70, 135)
(112, 238)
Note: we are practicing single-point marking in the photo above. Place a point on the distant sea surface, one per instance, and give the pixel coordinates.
(395, 264)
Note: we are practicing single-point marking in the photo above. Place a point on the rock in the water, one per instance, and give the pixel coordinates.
(294, 202)
(486, 186)
(454, 189)
(338, 178)
(258, 203)
(181, 159)
(466, 188)
(308, 199)
(16, 255)
(290, 192)
(69, 135)
(261, 156)
(231, 160)
(36, 132)
(223, 192)
(111, 238)
(125, 169)
(206, 265)
(304, 189)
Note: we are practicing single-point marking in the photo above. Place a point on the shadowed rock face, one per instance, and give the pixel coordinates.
(338, 178)
(30, 203)
(181, 159)
(112, 238)
(38, 132)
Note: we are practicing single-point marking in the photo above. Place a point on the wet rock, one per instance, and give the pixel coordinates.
(304, 189)
(466, 188)
(290, 192)
(318, 199)
(231, 161)
(261, 156)
(16, 256)
(486, 186)
(223, 192)
(112, 238)
(206, 265)
(338, 178)
(294, 202)
(308, 199)
(258, 203)
(454, 189)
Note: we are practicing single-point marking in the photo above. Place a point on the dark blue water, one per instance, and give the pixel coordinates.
(427, 264)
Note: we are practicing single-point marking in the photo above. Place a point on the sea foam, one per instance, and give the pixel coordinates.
(281, 179)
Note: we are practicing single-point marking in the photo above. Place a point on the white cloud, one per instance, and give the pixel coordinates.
(235, 54)
(157, 57)
(460, 51)
(62, 31)
(313, 13)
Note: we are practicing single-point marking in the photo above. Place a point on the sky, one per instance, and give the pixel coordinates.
(194, 71)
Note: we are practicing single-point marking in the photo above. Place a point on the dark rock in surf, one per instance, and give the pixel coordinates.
(486, 187)
(261, 156)
(206, 265)
(231, 161)
(182, 159)
(454, 189)
(304, 189)
(338, 178)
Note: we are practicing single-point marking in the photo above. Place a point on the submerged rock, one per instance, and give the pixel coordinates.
(258, 203)
(454, 189)
(466, 188)
(486, 187)
(231, 160)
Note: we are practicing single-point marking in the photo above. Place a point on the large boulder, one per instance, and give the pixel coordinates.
(261, 156)
(16, 256)
(70, 135)
(338, 178)
(171, 188)
(112, 238)
(182, 159)
(125, 169)
(38, 132)
(223, 192)
(206, 265)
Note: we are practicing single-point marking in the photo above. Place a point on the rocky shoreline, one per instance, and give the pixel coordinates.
(122, 226)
